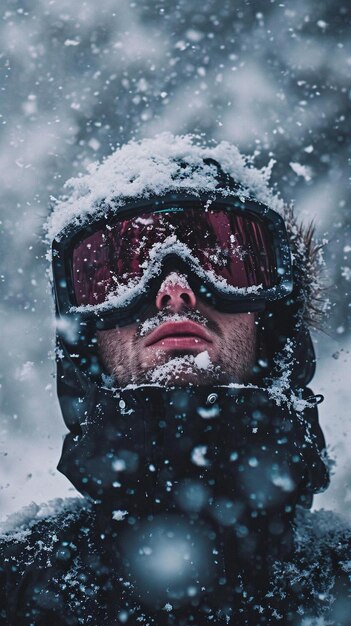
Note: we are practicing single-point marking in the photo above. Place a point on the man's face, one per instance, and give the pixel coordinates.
(181, 341)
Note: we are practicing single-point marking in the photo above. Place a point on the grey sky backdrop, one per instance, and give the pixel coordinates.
(78, 79)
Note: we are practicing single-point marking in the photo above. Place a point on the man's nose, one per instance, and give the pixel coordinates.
(175, 294)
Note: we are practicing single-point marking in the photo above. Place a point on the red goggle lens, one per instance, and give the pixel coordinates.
(234, 247)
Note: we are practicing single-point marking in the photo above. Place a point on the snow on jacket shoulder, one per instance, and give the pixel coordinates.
(53, 573)
(38, 547)
(318, 576)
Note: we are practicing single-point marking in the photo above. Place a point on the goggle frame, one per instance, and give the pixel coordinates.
(62, 249)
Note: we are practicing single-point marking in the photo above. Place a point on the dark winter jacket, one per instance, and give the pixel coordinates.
(56, 571)
(196, 519)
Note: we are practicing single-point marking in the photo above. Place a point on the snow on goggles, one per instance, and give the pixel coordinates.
(235, 254)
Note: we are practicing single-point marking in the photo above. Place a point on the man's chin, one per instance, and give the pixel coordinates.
(184, 370)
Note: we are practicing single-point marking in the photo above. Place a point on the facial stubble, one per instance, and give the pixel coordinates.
(121, 356)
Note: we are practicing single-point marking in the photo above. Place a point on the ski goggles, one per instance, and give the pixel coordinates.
(235, 254)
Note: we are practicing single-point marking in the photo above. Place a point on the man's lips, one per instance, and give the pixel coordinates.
(179, 334)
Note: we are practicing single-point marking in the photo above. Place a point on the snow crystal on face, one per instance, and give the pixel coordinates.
(203, 360)
(153, 167)
(175, 279)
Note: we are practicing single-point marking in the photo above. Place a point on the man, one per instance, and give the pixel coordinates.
(183, 290)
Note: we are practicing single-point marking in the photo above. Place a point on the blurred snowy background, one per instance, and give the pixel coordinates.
(79, 78)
